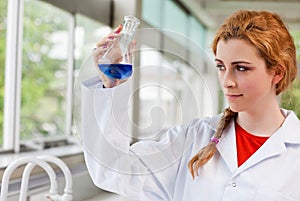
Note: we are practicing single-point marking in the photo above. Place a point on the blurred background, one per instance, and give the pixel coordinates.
(43, 44)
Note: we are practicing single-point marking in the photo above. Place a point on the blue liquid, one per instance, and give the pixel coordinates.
(117, 71)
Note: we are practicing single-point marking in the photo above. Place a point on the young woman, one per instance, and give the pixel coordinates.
(250, 152)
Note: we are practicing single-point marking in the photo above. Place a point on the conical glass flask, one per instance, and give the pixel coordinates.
(116, 62)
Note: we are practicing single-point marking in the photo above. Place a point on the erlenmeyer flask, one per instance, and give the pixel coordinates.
(117, 61)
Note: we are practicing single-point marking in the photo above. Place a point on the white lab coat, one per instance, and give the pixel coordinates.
(157, 170)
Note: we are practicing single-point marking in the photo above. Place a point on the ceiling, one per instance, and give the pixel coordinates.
(95, 9)
(213, 12)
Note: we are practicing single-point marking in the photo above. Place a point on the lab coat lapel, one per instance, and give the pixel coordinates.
(272, 147)
(276, 144)
(227, 147)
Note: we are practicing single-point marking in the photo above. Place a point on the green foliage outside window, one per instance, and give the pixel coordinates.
(290, 99)
(3, 5)
(44, 77)
(44, 66)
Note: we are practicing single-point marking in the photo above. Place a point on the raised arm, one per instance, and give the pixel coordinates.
(146, 170)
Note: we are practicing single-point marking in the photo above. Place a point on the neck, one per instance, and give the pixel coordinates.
(262, 121)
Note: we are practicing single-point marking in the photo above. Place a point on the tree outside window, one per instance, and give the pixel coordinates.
(291, 98)
(3, 14)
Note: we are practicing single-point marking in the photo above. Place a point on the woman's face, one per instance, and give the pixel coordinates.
(246, 83)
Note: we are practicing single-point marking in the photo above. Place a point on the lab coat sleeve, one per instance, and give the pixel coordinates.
(144, 171)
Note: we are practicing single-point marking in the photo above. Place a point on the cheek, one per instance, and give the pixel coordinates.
(250, 87)
(220, 78)
(255, 86)
(246, 84)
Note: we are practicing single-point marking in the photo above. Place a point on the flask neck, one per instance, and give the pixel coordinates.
(130, 24)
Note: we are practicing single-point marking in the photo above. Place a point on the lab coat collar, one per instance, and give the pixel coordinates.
(227, 146)
(276, 144)
(213, 122)
(291, 128)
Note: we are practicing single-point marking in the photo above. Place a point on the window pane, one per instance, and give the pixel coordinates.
(44, 70)
(151, 11)
(172, 12)
(176, 28)
(169, 92)
(87, 33)
(290, 99)
(197, 32)
(3, 17)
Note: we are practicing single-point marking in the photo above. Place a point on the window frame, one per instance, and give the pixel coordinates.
(13, 71)
(13, 76)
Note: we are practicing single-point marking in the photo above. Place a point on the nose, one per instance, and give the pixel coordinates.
(228, 80)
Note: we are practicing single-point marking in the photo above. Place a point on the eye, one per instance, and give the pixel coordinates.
(241, 68)
(220, 67)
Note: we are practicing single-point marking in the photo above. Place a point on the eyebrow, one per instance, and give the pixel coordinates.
(234, 62)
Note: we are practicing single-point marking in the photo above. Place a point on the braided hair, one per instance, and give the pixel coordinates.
(207, 152)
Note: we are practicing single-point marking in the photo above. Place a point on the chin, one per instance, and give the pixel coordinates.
(236, 108)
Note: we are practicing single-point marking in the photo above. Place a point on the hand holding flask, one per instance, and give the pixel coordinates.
(116, 61)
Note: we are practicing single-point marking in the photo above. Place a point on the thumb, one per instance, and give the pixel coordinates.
(118, 29)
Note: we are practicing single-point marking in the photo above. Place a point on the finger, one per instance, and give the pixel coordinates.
(107, 82)
(107, 41)
(118, 82)
(134, 43)
(98, 52)
(118, 29)
(110, 37)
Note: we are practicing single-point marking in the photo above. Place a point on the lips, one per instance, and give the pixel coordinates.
(233, 96)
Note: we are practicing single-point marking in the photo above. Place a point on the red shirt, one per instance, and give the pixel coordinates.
(246, 143)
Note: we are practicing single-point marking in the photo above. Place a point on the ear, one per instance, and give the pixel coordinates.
(278, 73)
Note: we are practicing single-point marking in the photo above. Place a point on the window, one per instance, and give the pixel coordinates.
(160, 97)
(44, 71)
(46, 48)
(152, 12)
(171, 92)
(174, 70)
(172, 11)
(87, 33)
(290, 98)
(197, 31)
(3, 14)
